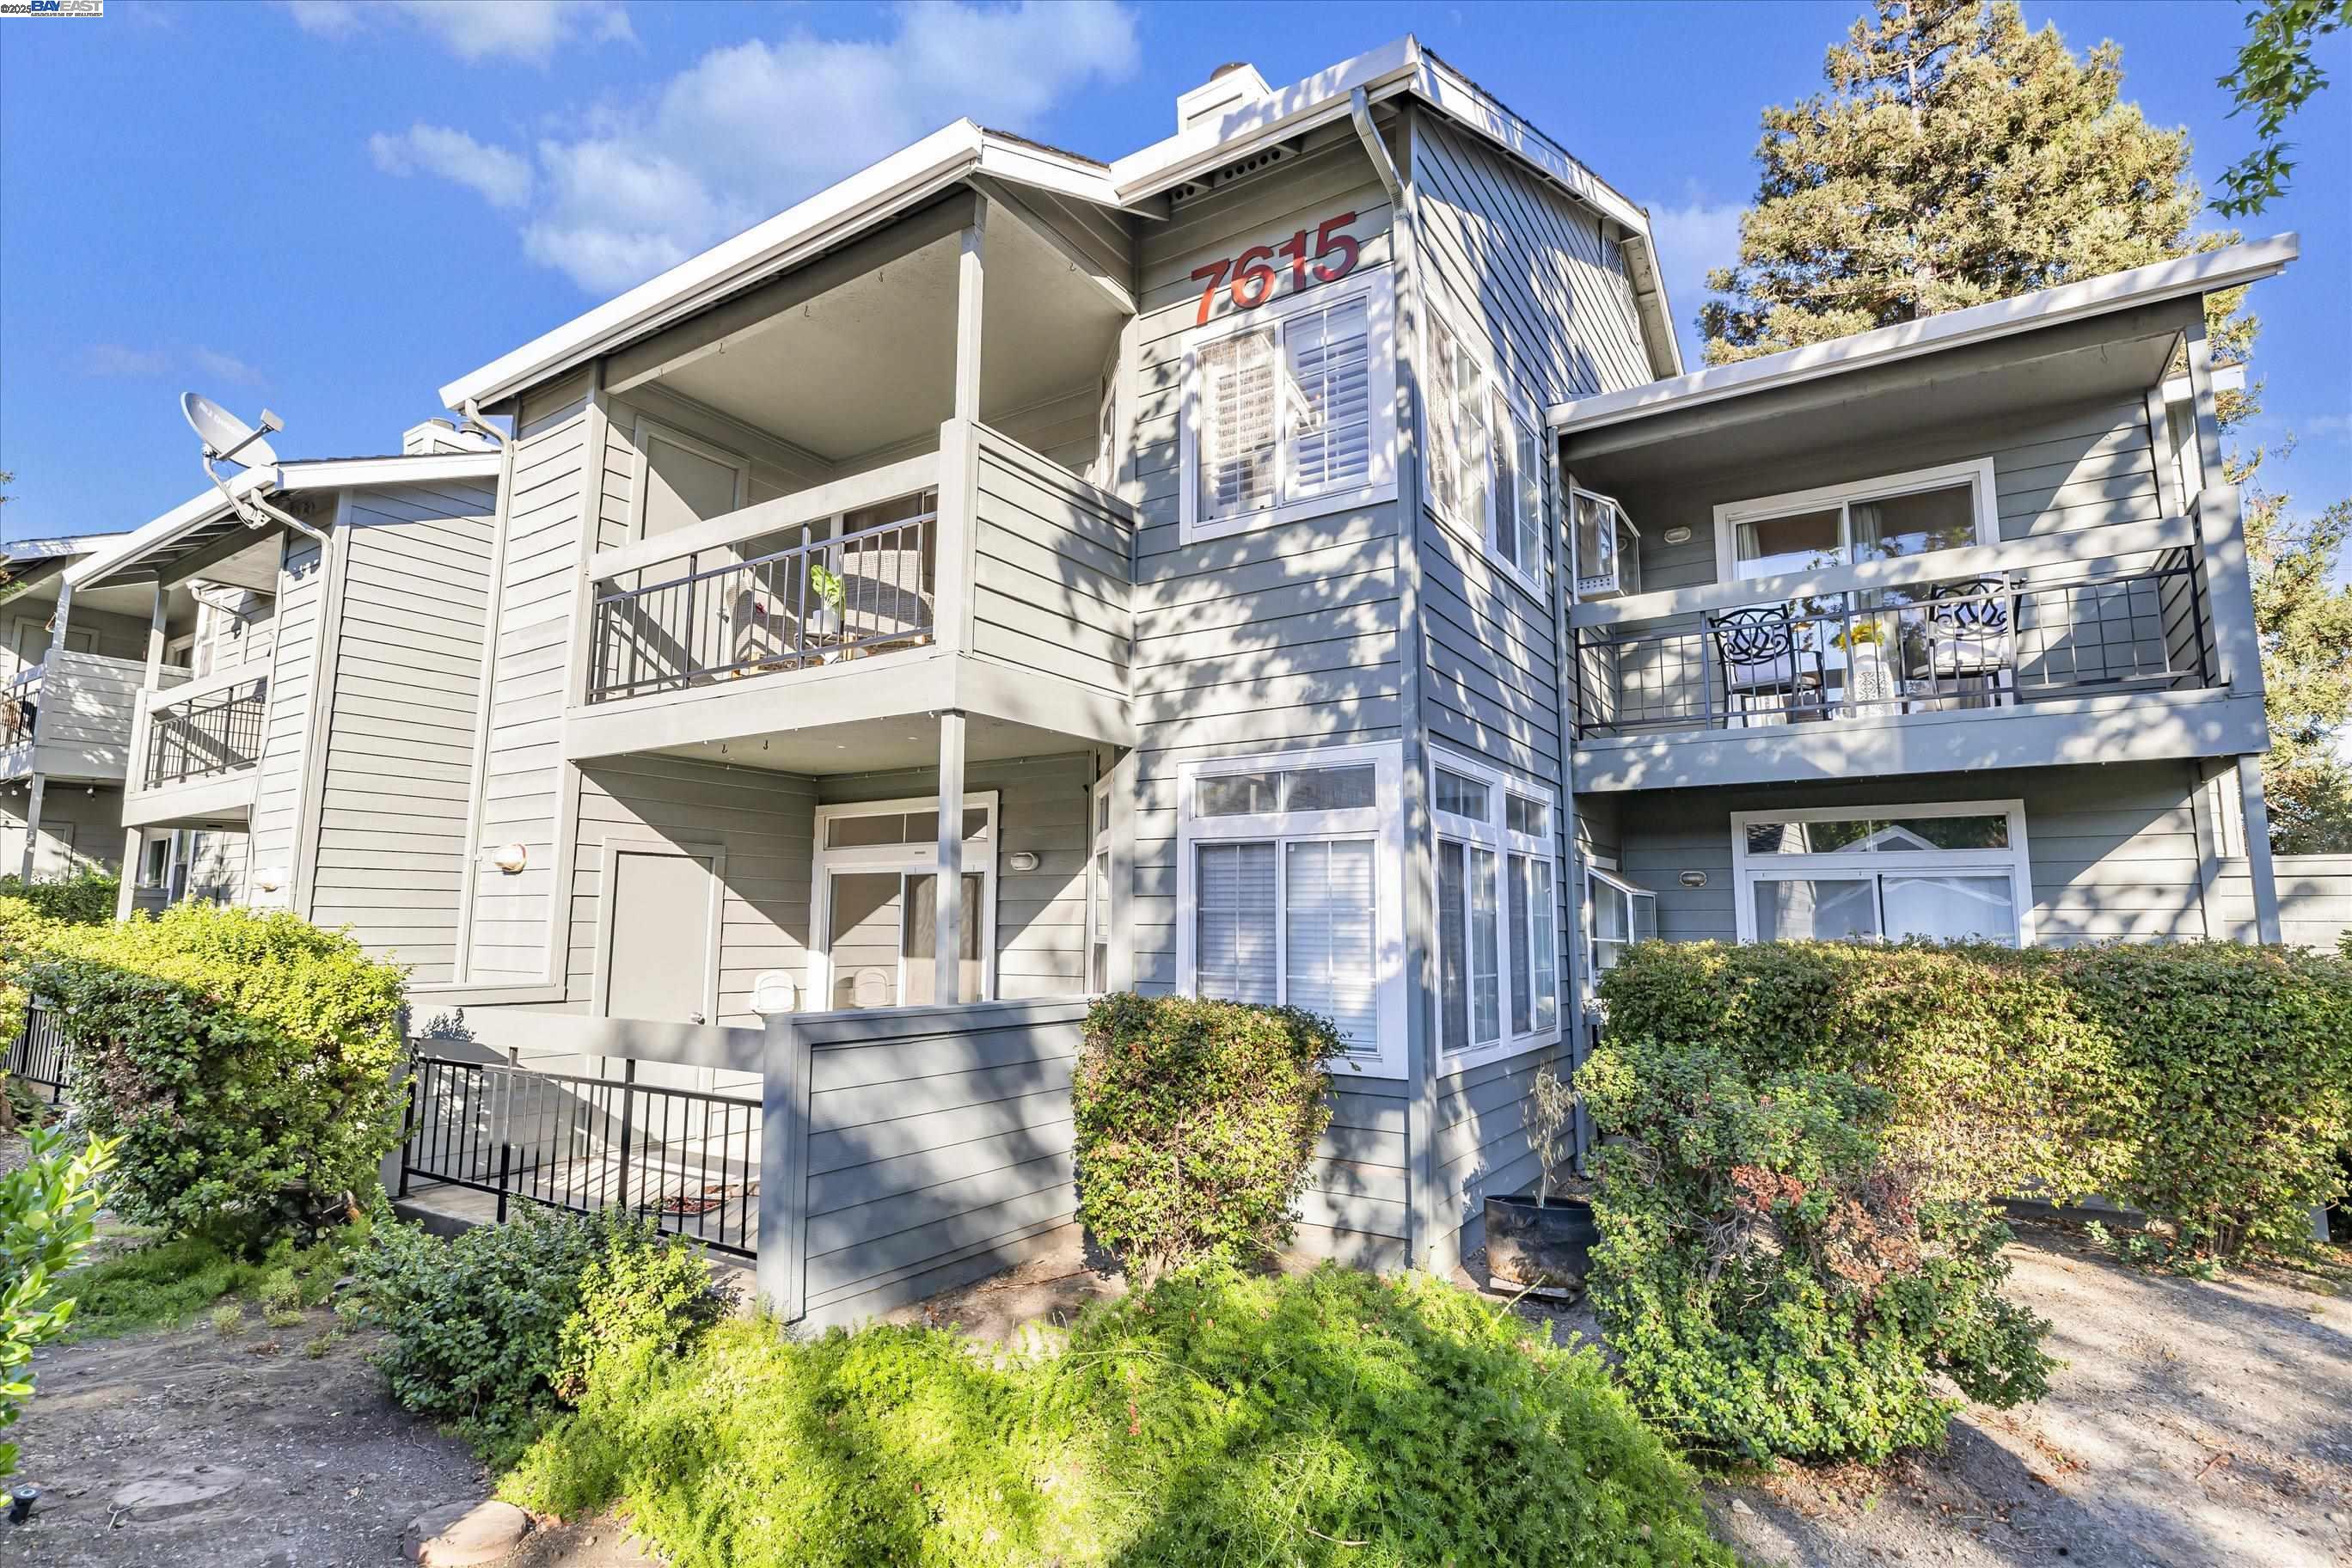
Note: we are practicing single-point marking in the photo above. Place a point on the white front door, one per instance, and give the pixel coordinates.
(876, 904)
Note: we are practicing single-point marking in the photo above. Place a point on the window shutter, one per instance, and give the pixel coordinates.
(1238, 431)
(1237, 922)
(1330, 421)
(1330, 963)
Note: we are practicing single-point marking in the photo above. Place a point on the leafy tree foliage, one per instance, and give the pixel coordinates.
(48, 1212)
(2274, 77)
(1959, 158)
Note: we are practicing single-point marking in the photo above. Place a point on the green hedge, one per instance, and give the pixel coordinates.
(1330, 1420)
(249, 1062)
(1196, 1126)
(2208, 1084)
(84, 899)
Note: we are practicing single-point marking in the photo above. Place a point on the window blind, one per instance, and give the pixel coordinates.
(1329, 922)
(1238, 426)
(1330, 358)
(1235, 947)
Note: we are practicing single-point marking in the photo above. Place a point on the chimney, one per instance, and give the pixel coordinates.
(1229, 87)
(440, 435)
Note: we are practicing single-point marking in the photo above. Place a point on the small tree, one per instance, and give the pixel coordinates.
(1551, 1128)
(48, 1211)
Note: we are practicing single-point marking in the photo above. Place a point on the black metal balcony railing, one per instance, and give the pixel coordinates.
(217, 732)
(689, 1158)
(865, 592)
(38, 1054)
(1930, 647)
(20, 708)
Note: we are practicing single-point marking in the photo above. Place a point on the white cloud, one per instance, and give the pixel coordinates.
(750, 128)
(1693, 239)
(116, 360)
(2326, 427)
(499, 176)
(476, 31)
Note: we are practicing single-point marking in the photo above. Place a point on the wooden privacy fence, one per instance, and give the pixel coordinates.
(881, 1157)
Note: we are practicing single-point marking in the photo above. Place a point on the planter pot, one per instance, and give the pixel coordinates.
(1546, 1248)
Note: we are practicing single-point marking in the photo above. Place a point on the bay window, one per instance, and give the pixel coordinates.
(1497, 910)
(1943, 872)
(1617, 914)
(1099, 904)
(1485, 465)
(1289, 890)
(1289, 410)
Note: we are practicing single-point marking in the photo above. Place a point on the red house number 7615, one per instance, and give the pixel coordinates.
(1252, 280)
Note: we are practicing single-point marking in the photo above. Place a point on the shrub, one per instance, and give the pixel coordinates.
(1196, 1126)
(248, 1061)
(480, 1328)
(2209, 1084)
(48, 1212)
(1776, 1286)
(85, 899)
(1333, 1418)
(168, 1283)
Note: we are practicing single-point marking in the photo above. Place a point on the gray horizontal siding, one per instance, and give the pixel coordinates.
(301, 626)
(1481, 1143)
(2112, 850)
(80, 829)
(2315, 895)
(86, 704)
(1050, 564)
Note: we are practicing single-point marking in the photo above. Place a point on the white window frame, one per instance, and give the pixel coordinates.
(1605, 872)
(641, 436)
(1729, 515)
(1102, 901)
(904, 858)
(1495, 834)
(1621, 581)
(1747, 870)
(1383, 823)
(1377, 289)
(1500, 511)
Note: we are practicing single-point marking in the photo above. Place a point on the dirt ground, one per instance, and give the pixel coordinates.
(2194, 1423)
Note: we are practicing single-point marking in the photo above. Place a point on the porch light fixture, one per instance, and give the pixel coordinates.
(268, 880)
(1022, 860)
(510, 857)
(772, 992)
(1678, 534)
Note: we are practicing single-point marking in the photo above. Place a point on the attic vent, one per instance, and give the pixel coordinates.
(1231, 174)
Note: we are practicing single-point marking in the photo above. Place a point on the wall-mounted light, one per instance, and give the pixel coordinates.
(1694, 879)
(1021, 860)
(1678, 534)
(773, 992)
(267, 881)
(510, 857)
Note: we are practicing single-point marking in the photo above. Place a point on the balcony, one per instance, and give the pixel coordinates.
(2096, 645)
(70, 718)
(198, 750)
(984, 579)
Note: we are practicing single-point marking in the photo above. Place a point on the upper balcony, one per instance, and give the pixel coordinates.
(985, 578)
(70, 718)
(196, 751)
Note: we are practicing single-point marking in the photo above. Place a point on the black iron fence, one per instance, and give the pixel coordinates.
(1980, 642)
(38, 1053)
(865, 592)
(215, 732)
(20, 708)
(689, 1158)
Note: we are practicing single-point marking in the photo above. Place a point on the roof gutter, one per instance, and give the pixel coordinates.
(2204, 273)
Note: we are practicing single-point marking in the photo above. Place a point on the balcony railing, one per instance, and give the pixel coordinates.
(1980, 640)
(20, 707)
(713, 614)
(211, 733)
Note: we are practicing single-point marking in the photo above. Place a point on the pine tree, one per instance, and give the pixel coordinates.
(1958, 158)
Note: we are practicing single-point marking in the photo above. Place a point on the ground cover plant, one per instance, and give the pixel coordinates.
(48, 1212)
(1218, 1418)
(1196, 1125)
(1776, 1285)
(170, 1284)
(2208, 1084)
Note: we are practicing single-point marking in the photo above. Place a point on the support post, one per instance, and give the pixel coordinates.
(33, 807)
(32, 827)
(2258, 849)
(780, 1269)
(958, 527)
(2202, 397)
(134, 840)
(947, 948)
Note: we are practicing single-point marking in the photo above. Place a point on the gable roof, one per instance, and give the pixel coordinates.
(958, 152)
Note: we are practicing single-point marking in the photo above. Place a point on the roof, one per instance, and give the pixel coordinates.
(206, 517)
(2205, 272)
(49, 549)
(958, 152)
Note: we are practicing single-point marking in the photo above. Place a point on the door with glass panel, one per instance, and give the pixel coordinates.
(877, 906)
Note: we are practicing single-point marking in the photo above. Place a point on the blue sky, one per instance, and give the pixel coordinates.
(334, 208)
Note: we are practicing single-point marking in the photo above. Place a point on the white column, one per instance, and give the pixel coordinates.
(948, 949)
(134, 840)
(2258, 849)
(33, 805)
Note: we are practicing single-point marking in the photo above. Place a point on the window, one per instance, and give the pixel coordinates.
(1098, 892)
(683, 482)
(874, 897)
(1874, 520)
(1617, 914)
(1607, 546)
(1497, 910)
(1290, 412)
(1289, 884)
(1485, 469)
(1943, 872)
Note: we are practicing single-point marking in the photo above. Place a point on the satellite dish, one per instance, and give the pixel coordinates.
(226, 436)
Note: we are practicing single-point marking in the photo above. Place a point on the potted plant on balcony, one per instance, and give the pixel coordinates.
(1544, 1244)
(831, 592)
